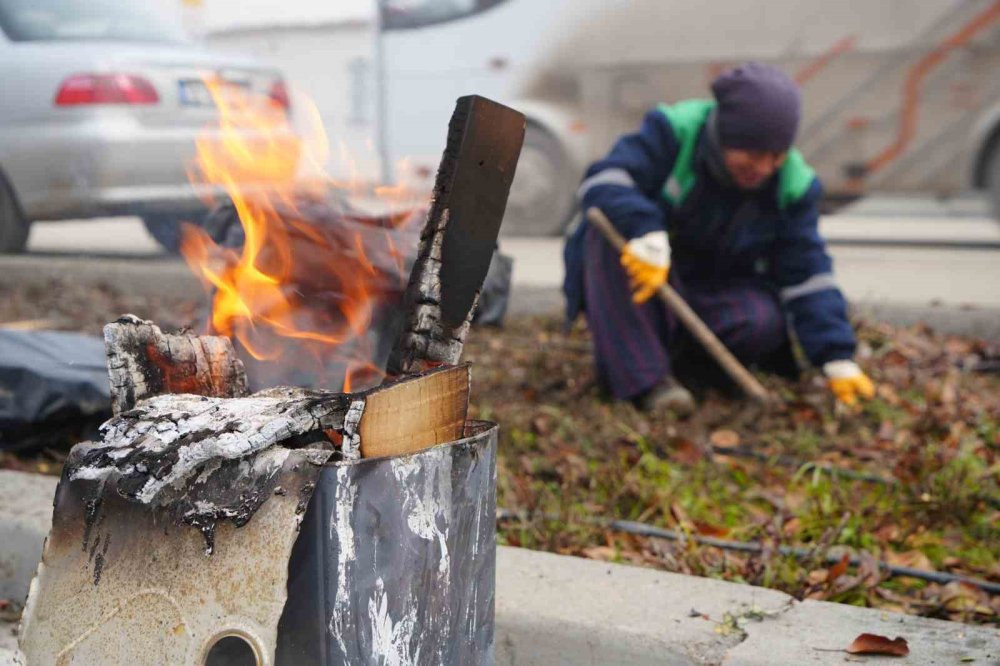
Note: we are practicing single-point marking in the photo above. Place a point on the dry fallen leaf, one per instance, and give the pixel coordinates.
(725, 439)
(959, 596)
(913, 559)
(708, 529)
(838, 569)
(875, 644)
(792, 527)
(600, 553)
(686, 452)
(817, 576)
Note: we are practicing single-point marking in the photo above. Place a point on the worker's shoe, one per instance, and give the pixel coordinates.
(668, 395)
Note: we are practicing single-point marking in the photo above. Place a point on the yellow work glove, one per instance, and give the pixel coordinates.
(847, 382)
(647, 261)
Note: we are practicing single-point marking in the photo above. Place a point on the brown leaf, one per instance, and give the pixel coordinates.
(875, 644)
(817, 576)
(805, 414)
(887, 532)
(541, 425)
(600, 553)
(838, 569)
(792, 527)
(685, 451)
(958, 596)
(886, 431)
(888, 394)
(869, 569)
(913, 559)
(949, 393)
(709, 529)
(724, 439)
(957, 346)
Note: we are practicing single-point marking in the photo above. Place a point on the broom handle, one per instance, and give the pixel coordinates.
(689, 318)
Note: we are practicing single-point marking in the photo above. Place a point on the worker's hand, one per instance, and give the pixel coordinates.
(647, 261)
(848, 382)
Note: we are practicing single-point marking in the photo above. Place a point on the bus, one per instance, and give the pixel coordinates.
(900, 95)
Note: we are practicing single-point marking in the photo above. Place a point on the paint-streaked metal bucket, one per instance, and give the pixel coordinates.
(396, 560)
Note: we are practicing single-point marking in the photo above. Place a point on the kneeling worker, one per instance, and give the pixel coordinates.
(711, 195)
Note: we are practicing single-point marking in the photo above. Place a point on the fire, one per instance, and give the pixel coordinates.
(319, 285)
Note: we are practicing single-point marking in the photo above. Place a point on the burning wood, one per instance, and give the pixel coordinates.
(338, 281)
(301, 289)
(143, 361)
(188, 454)
(396, 557)
(243, 472)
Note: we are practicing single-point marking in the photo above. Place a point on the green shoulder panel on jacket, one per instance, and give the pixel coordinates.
(794, 179)
(686, 119)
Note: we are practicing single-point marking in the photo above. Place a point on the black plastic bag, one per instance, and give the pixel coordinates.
(47, 377)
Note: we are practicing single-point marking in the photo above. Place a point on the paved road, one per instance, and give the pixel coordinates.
(125, 236)
(935, 275)
(913, 276)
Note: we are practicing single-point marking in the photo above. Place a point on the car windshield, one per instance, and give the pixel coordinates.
(402, 14)
(120, 20)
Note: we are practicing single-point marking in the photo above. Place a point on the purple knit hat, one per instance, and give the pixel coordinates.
(759, 108)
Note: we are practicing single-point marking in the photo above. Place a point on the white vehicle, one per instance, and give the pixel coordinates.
(101, 105)
(900, 95)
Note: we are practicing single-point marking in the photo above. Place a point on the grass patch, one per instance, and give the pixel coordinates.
(912, 478)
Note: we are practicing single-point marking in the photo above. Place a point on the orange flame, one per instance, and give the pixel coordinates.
(293, 280)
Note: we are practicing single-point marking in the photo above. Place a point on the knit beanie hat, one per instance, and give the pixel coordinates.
(758, 108)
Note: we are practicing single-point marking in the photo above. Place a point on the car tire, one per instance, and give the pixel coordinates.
(14, 227)
(165, 228)
(542, 196)
(993, 180)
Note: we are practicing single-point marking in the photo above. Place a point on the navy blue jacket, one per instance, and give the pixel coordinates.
(719, 234)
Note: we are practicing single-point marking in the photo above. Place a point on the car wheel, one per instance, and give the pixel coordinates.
(166, 229)
(993, 180)
(542, 196)
(13, 226)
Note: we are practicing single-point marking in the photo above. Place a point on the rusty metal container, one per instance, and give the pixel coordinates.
(394, 564)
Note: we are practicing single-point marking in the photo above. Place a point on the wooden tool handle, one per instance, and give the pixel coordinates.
(689, 318)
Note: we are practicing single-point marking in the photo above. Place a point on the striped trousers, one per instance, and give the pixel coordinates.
(636, 346)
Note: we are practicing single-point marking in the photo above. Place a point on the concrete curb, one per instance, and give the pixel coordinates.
(25, 517)
(553, 610)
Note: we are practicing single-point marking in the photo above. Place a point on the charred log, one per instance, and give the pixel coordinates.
(205, 459)
(460, 235)
(143, 361)
(427, 340)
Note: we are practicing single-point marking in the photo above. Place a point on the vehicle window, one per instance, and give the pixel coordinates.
(44, 20)
(404, 14)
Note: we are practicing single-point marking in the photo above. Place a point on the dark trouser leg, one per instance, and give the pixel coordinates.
(630, 341)
(748, 319)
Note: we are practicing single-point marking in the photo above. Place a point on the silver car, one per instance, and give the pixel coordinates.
(101, 104)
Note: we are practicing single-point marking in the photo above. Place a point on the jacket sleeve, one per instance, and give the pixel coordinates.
(626, 184)
(809, 293)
